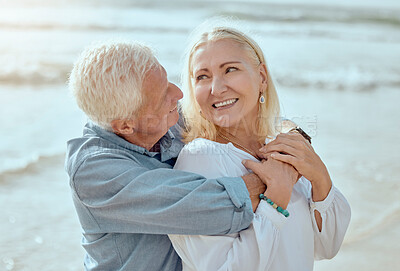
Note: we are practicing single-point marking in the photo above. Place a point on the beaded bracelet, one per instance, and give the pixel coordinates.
(273, 204)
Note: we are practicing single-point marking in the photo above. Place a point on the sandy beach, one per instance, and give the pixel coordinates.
(40, 230)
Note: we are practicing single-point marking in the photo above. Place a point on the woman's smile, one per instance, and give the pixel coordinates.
(225, 104)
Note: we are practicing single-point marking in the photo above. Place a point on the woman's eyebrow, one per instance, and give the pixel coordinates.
(229, 62)
(220, 66)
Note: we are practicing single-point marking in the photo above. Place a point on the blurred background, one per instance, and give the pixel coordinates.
(337, 70)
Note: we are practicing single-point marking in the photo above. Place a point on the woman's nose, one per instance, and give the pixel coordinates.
(218, 86)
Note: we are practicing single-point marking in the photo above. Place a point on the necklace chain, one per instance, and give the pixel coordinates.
(234, 142)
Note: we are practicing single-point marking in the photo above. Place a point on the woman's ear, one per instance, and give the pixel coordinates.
(263, 76)
(123, 127)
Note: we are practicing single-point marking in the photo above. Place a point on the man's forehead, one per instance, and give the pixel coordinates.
(155, 81)
(158, 73)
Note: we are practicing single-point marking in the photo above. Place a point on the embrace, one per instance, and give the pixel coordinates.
(207, 183)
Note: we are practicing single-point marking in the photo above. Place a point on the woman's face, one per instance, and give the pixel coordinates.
(227, 84)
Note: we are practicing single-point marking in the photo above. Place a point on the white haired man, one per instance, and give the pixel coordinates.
(127, 196)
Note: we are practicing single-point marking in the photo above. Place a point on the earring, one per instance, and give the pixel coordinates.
(262, 99)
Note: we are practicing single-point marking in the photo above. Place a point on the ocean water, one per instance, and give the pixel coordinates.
(309, 45)
(336, 66)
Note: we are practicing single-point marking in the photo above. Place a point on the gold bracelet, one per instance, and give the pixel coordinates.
(301, 131)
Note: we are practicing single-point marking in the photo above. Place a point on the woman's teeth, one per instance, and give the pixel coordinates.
(224, 103)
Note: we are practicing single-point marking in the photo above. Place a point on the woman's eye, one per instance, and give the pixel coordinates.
(231, 69)
(201, 77)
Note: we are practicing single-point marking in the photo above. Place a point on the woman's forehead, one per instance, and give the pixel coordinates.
(219, 45)
(218, 49)
(217, 52)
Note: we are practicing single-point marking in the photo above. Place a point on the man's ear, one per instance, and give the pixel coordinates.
(123, 127)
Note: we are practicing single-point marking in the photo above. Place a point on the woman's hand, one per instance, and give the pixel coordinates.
(293, 149)
(278, 176)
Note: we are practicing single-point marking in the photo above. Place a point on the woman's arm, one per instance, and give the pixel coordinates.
(293, 149)
(329, 209)
(335, 216)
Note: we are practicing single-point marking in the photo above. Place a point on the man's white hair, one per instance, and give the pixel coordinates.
(107, 80)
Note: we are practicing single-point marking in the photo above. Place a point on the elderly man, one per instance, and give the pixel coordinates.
(127, 196)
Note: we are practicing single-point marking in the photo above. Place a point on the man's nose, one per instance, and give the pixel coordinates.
(176, 91)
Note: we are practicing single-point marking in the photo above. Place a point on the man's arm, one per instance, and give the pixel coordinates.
(115, 194)
(255, 187)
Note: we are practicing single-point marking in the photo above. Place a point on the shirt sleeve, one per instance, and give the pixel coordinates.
(250, 249)
(113, 193)
(335, 212)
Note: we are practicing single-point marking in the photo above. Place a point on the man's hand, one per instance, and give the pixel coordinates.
(255, 187)
(279, 178)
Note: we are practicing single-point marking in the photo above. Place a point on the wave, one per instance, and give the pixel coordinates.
(376, 225)
(99, 18)
(26, 165)
(39, 74)
(339, 81)
(125, 16)
(280, 21)
(315, 14)
(90, 27)
(354, 79)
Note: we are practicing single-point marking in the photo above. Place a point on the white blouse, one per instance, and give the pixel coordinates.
(272, 242)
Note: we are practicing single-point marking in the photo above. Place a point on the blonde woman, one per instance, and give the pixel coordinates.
(230, 106)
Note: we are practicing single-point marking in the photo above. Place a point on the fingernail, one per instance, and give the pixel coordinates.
(273, 155)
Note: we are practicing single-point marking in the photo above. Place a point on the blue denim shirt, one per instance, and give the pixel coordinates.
(128, 199)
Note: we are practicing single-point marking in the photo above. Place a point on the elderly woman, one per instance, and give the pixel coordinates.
(230, 105)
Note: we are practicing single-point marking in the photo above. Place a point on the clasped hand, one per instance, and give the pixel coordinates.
(293, 149)
(279, 177)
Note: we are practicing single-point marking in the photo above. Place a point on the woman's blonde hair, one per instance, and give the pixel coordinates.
(107, 79)
(195, 124)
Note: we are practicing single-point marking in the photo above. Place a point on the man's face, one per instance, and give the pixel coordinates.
(159, 111)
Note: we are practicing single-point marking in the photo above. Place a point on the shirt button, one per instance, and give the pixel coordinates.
(241, 209)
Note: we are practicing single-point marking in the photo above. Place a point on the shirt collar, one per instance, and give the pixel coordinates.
(170, 144)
